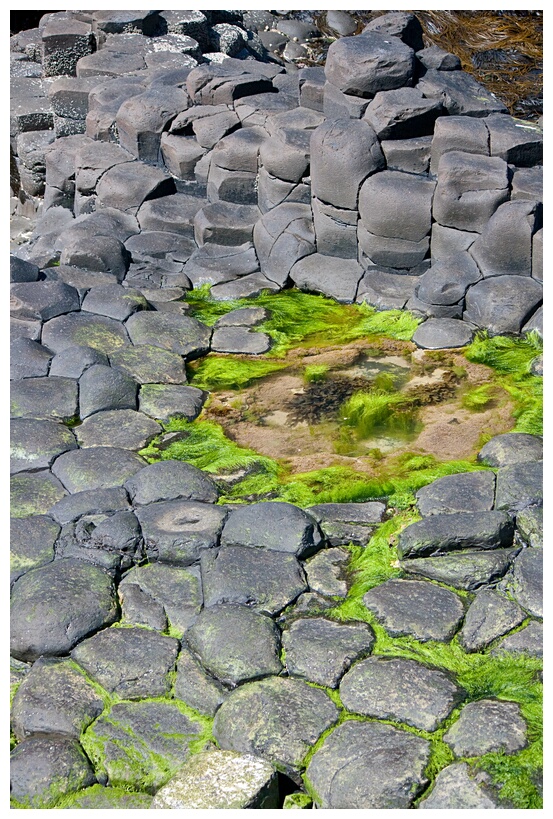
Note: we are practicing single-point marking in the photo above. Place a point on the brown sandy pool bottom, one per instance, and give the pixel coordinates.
(304, 424)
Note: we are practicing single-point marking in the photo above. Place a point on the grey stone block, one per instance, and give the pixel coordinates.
(330, 275)
(402, 114)
(459, 93)
(369, 63)
(283, 236)
(407, 155)
(502, 304)
(505, 245)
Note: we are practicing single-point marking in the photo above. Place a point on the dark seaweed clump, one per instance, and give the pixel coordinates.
(322, 399)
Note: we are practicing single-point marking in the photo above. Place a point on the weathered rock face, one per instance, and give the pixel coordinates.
(149, 620)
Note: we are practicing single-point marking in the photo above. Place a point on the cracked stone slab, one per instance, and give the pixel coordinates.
(487, 726)
(45, 398)
(325, 572)
(28, 359)
(401, 690)
(457, 787)
(89, 502)
(240, 340)
(34, 493)
(32, 543)
(490, 615)
(272, 525)
(177, 531)
(99, 467)
(277, 718)
(195, 687)
(221, 779)
(114, 301)
(443, 333)
(147, 364)
(34, 444)
(511, 448)
(321, 650)
(464, 570)
(56, 605)
(528, 640)
(265, 580)
(99, 332)
(368, 765)
(166, 401)
(343, 523)
(337, 278)
(235, 644)
(440, 533)
(183, 335)
(519, 485)
(529, 524)
(176, 591)
(527, 583)
(54, 698)
(42, 300)
(417, 608)
(467, 492)
(131, 663)
(123, 428)
(139, 745)
(170, 480)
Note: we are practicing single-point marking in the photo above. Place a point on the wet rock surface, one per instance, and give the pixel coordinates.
(154, 153)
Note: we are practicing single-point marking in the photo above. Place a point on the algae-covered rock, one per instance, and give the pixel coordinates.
(32, 542)
(99, 467)
(486, 726)
(456, 788)
(34, 493)
(35, 444)
(440, 533)
(98, 797)
(220, 779)
(195, 687)
(178, 591)
(490, 615)
(140, 745)
(464, 570)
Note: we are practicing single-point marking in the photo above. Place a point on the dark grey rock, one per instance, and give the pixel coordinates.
(231, 186)
(455, 788)
(527, 582)
(272, 525)
(195, 687)
(235, 644)
(517, 142)
(177, 531)
(470, 189)
(440, 533)
(344, 523)
(435, 57)
(459, 93)
(181, 154)
(402, 114)
(140, 745)
(102, 253)
(487, 726)
(54, 699)
(169, 480)
(343, 153)
(505, 245)
(519, 485)
(407, 155)
(103, 334)
(128, 185)
(265, 580)
(22, 271)
(337, 105)
(283, 236)
(141, 119)
(535, 324)
(341, 22)
(527, 183)
(335, 229)
(34, 493)
(528, 640)
(225, 223)
(129, 662)
(28, 359)
(511, 448)
(369, 63)
(536, 368)
(56, 605)
(467, 492)
(36, 444)
(401, 690)
(443, 333)
(277, 718)
(337, 278)
(447, 281)
(391, 253)
(44, 768)
(114, 301)
(239, 340)
(65, 39)
(321, 650)
(44, 398)
(245, 287)
(367, 764)
(101, 467)
(147, 364)
(385, 290)
(178, 334)
(138, 608)
(401, 24)
(32, 542)
(176, 590)
(243, 317)
(173, 214)
(423, 310)
(325, 572)
(285, 154)
(417, 608)
(118, 533)
(490, 615)
(103, 388)
(122, 428)
(73, 361)
(529, 524)
(82, 280)
(464, 570)
(165, 401)
(447, 242)
(42, 300)
(94, 502)
(213, 264)
(22, 328)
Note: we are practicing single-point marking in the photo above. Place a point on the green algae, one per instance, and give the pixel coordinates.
(378, 412)
(229, 372)
(315, 372)
(479, 398)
